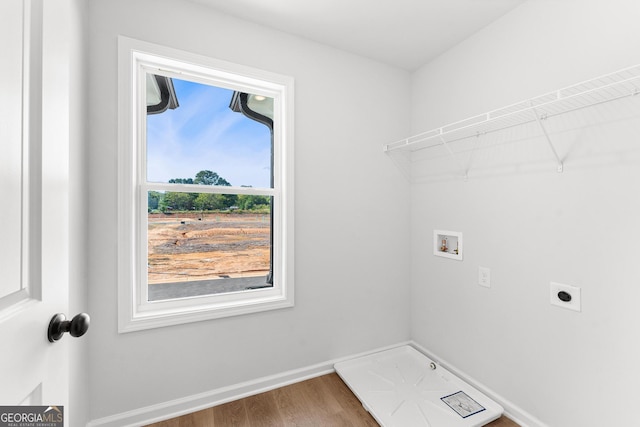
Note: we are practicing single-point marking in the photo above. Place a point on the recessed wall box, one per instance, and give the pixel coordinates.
(447, 244)
(565, 296)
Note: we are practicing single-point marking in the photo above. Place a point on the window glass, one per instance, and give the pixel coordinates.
(203, 133)
(203, 243)
(208, 251)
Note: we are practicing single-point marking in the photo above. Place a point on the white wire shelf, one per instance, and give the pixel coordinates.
(621, 84)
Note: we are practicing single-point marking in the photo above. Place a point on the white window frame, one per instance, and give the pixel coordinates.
(135, 312)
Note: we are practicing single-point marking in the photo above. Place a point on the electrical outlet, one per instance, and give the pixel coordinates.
(484, 277)
(565, 296)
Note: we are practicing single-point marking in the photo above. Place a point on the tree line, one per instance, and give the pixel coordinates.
(177, 201)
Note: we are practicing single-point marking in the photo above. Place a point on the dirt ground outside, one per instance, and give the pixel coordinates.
(200, 246)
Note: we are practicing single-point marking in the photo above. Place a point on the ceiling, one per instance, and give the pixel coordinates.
(403, 33)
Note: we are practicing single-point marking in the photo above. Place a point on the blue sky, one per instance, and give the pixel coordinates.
(204, 134)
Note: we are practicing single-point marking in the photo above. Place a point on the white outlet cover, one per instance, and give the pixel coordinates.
(484, 277)
(575, 304)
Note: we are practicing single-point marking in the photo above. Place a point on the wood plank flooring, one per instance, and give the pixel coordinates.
(321, 401)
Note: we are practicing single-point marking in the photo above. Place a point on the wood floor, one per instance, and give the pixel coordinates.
(321, 401)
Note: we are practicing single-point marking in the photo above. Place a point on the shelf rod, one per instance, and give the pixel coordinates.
(455, 159)
(489, 117)
(546, 135)
(392, 147)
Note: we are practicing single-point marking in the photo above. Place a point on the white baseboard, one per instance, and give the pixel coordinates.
(197, 402)
(513, 412)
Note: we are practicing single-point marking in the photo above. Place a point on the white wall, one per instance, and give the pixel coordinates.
(531, 225)
(352, 214)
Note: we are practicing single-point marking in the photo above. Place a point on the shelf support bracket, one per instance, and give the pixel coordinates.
(455, 160)
(546, 135)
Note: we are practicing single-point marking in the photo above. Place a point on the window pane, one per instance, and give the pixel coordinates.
(193, 127)
(208, 251)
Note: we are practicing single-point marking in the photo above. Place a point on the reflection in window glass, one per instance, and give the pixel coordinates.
(204, 133)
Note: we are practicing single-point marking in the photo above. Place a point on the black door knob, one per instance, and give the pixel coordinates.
(59, 324)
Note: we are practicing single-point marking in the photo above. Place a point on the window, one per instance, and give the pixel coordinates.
(205, 188)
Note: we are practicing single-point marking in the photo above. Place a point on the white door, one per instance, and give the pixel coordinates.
(34, 242)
